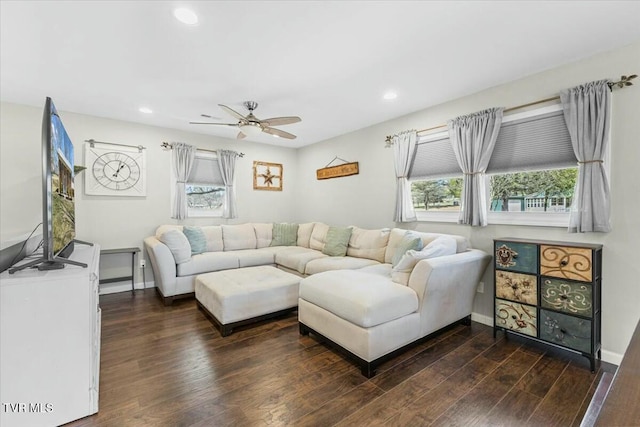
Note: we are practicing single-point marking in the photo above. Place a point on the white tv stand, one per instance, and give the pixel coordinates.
(50, 343)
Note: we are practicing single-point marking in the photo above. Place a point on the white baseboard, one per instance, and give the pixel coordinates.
(607, 356)
(116, 287)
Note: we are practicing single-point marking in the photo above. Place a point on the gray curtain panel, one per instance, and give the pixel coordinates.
(183, 158)
(473, 138)
(587, 114)
(404, 150)
(227, 163)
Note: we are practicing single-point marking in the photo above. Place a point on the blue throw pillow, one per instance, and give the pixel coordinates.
(196, 238)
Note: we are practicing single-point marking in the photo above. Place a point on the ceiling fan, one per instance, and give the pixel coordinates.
(250, 125)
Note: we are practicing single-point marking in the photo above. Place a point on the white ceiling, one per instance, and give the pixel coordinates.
(329, 62)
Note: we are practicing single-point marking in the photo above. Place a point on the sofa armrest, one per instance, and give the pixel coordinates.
(446, 287)
(163, 265)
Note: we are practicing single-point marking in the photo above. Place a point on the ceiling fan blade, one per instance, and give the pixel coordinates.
(279, 121)
(232, 112)
(241, 135)
(278, 132)
(209, 123)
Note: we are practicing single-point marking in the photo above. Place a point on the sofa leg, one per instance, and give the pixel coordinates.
(466, 321)
(303, 329)
(167, 301)
(225, 330)
(367, 370)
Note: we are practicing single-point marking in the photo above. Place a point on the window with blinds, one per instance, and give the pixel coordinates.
(532, 169)
(205, 191)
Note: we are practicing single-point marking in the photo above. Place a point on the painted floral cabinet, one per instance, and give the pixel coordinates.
(549, 292)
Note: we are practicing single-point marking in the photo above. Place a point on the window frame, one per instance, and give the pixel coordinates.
(199, 214)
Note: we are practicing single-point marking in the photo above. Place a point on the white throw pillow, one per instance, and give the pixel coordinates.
(178, 244)
(440, 246)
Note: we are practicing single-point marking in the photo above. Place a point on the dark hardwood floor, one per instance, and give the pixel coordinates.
(168, 366)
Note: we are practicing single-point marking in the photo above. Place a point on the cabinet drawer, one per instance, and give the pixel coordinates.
(566, 262)
(565, 330)
(517, 287)
(516, 317)
(569, 297)
(522, 257)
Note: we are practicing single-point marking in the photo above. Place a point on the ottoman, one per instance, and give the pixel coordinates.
(246, 295)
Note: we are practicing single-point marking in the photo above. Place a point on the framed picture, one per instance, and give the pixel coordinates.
(114, 170)
(267, 176)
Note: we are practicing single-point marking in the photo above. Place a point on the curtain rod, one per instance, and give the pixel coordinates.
(623, 82)
(169, 146)
(93, 141)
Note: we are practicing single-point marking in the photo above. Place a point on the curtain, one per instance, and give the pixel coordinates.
(404, 149)
(183, 158)
(473, 138)
(227, 164)
(587, 113)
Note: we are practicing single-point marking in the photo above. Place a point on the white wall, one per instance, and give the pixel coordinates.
(368, 199)
(116, 222)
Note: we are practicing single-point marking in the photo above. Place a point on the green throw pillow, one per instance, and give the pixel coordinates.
(410, 241)
(337, 241)
(196, 238)
(284, 235)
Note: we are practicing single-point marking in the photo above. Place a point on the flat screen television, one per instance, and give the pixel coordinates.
(58, 195)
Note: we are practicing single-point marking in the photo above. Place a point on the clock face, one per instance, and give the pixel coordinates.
(114, 172)
(117, 171)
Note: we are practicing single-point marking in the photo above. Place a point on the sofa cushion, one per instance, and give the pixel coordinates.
(208, 261)
(370, 244)
(410, 241)
(296, 258)
(383, 270)
(462, 244)
(241, 236)
(284, 234)
(264, 234)
(361, 298)
(337, 241)
(304, 234)
(213, 235)
(318, 236)
(253, 257)
(178, 244)
(196, 239)
(337, 263)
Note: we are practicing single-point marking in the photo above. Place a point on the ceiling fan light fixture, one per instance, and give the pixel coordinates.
(251, 129)
(186, 16)
(390, 95)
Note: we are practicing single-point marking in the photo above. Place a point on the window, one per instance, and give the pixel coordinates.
(205, 191)
(531, 175)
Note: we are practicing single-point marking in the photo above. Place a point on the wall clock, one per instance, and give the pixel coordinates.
(114, 170)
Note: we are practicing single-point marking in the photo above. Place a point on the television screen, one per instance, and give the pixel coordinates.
(62, 189)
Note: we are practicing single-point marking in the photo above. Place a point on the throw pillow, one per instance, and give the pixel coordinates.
(410, 241)
(284, 235)
(337, 241)
(178, 244)
(440, 246)
(197, 239)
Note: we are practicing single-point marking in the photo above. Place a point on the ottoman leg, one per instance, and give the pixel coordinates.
(367, 370)
(225, 330)
(303, 329)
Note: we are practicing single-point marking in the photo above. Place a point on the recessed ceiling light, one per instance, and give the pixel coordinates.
(186, 16)
(145, 110)
(390, 95)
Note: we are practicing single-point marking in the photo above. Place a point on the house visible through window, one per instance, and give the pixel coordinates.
(205, 189)
(533, 170)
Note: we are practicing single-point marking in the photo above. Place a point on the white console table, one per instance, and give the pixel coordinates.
(50, 343)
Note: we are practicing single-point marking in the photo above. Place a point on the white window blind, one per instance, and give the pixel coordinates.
(538, 142)
(205, 170)
(434, 159)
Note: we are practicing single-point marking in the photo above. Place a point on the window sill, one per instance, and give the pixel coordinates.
(503, 218)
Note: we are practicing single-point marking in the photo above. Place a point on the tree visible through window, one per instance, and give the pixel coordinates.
(437, 194)
(205, 200)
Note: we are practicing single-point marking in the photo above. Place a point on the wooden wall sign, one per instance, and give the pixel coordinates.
(345, 169)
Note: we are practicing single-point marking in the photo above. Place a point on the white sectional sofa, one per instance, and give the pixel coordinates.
(384, 291)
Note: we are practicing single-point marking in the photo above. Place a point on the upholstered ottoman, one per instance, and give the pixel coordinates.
(364, 314)
(246, 295)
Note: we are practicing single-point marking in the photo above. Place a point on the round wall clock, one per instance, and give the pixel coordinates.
(114, 172)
